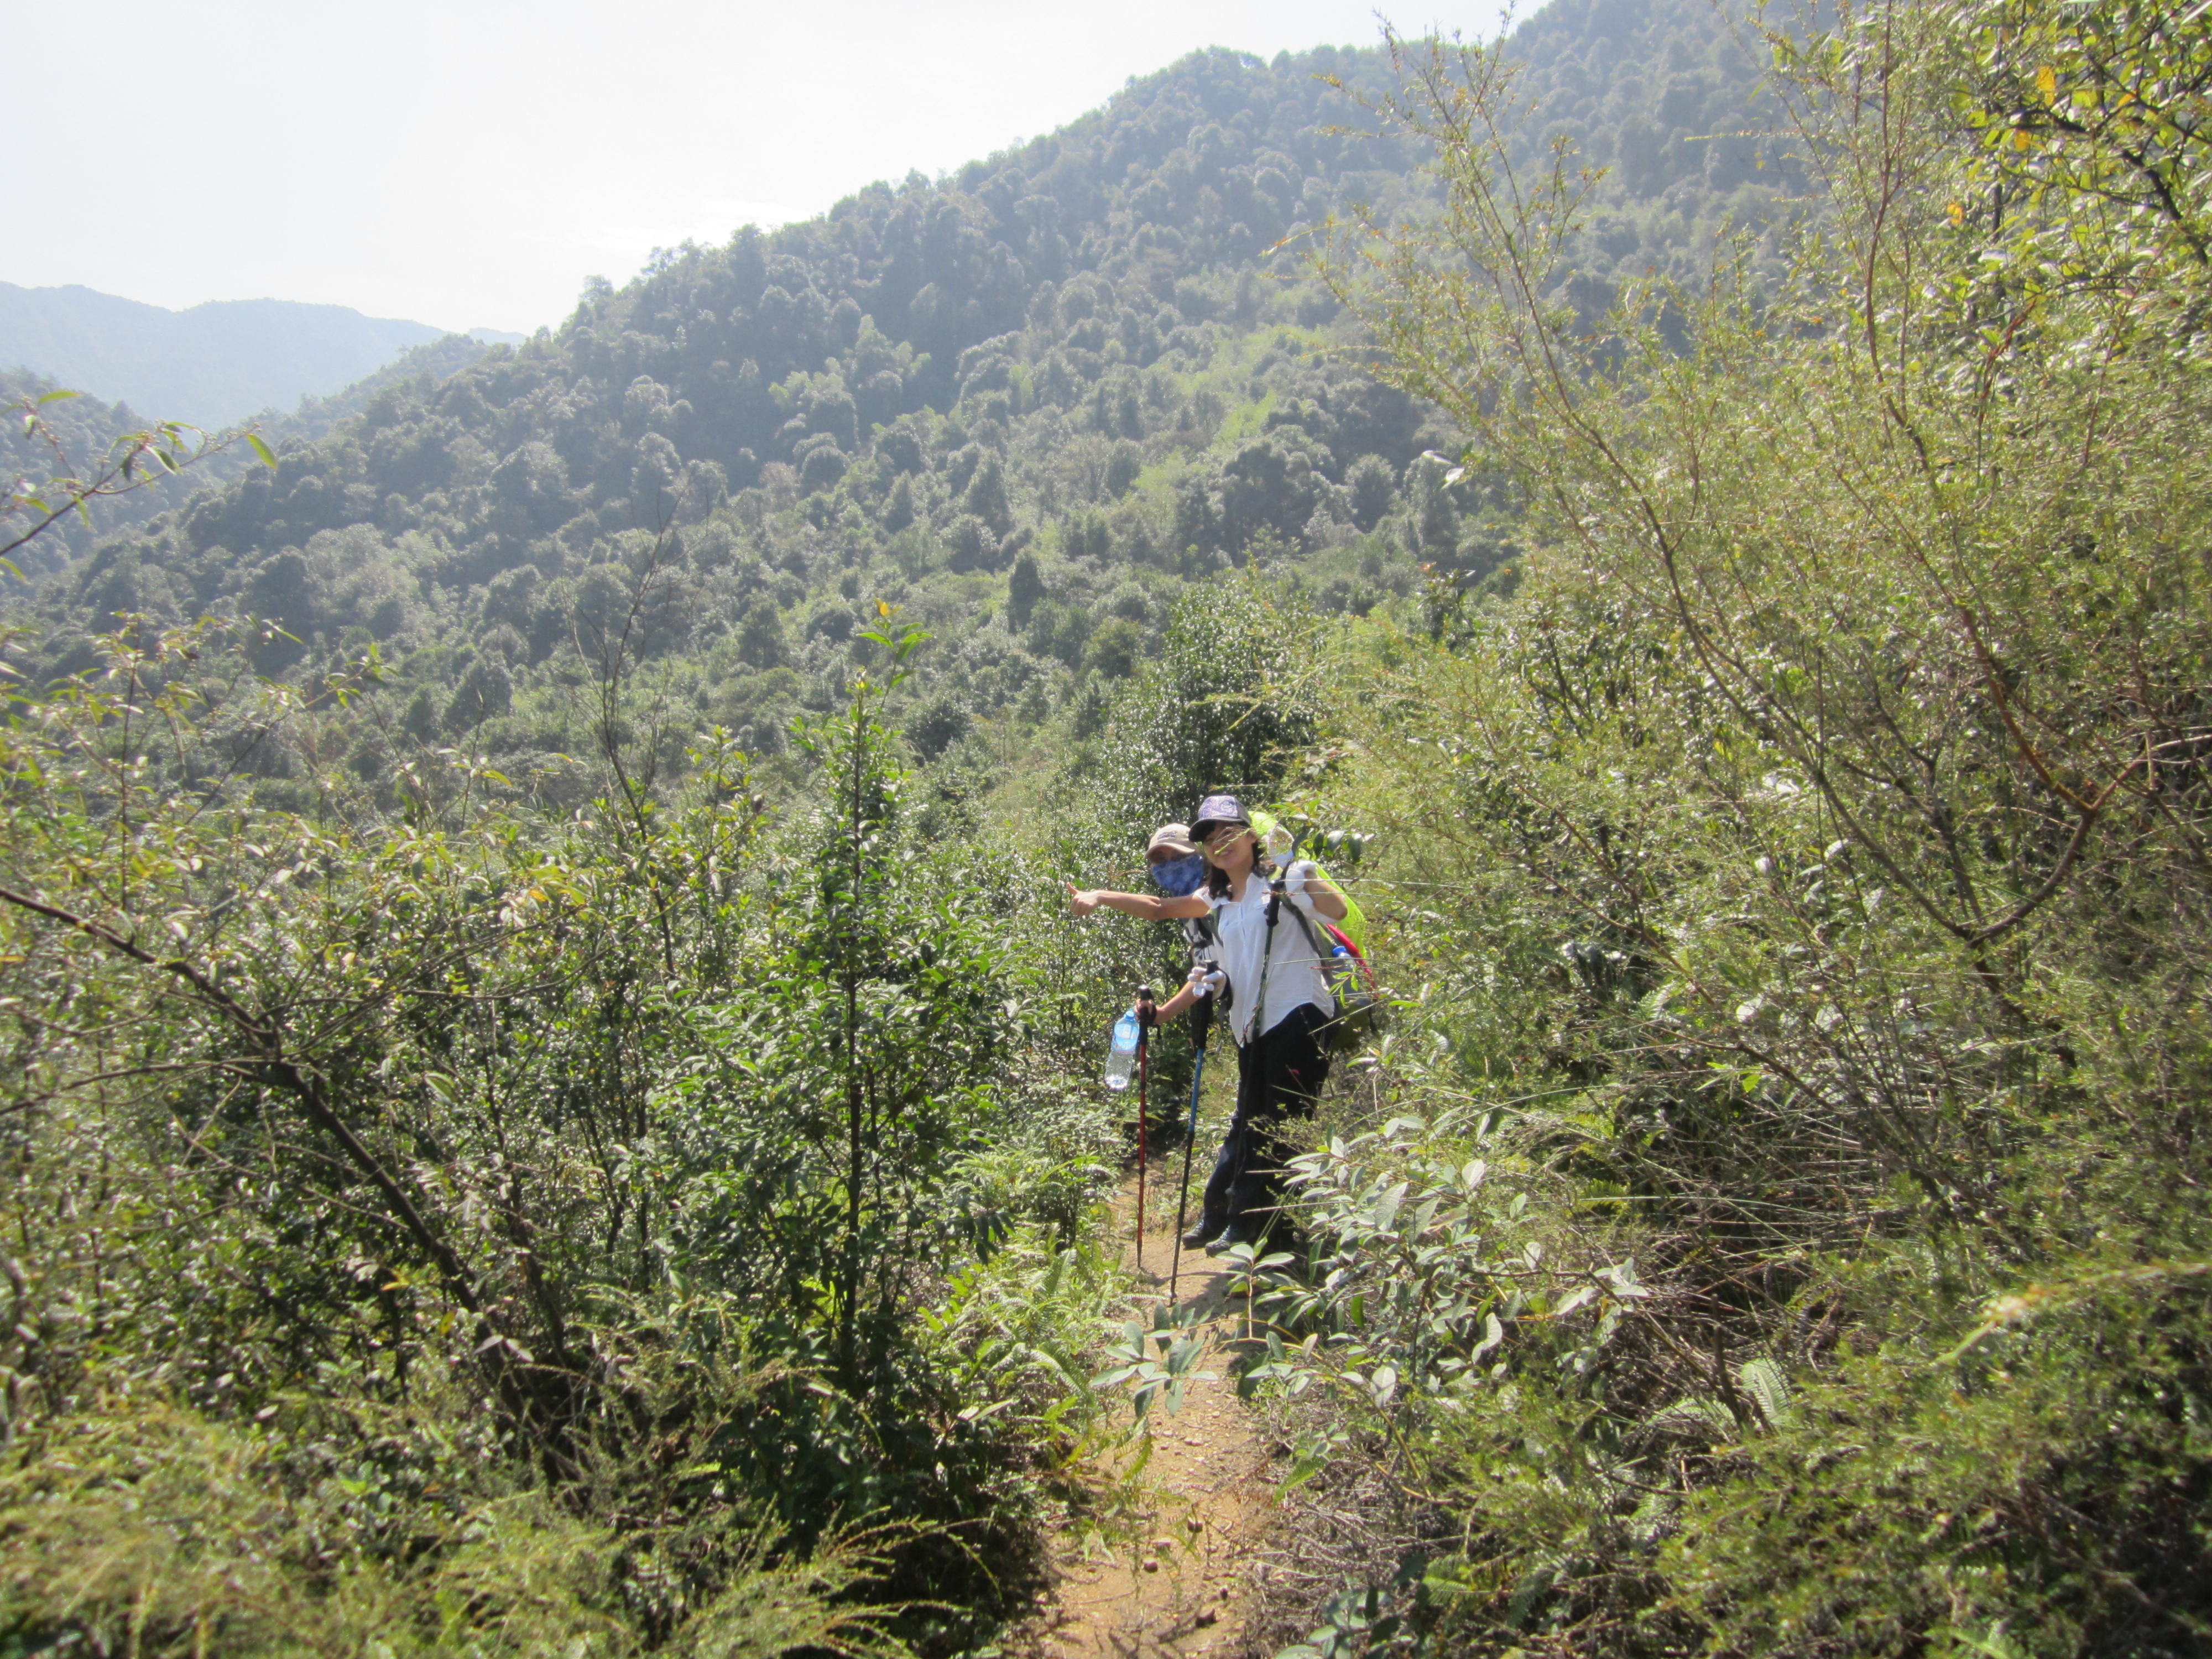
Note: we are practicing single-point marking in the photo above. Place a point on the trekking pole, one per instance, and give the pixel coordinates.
(1200, 1014)
(1145, 1010)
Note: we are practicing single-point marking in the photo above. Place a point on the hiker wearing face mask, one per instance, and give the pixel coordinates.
(1178, 868)
(1274, 989)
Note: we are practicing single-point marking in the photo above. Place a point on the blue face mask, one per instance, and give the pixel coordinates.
(1179, 878)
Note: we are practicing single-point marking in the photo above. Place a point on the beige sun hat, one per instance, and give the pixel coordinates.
(1169, 841)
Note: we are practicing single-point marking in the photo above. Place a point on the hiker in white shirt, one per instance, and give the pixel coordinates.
(1276, 995)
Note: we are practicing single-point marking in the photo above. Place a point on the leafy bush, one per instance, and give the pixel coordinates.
(592, 1167)
(1805, 866)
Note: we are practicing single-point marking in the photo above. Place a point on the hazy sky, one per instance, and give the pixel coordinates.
(468, 164)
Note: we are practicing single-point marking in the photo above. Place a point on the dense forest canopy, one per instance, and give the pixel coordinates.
(552, 1101)
(1029, 401)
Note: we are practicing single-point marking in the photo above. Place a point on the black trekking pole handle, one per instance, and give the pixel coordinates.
(1275, 892)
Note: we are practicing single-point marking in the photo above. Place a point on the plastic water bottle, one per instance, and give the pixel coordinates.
(1337, 970)
(1121, 1058)
(1352, 997)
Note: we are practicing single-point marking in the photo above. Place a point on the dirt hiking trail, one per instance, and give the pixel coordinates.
(1177, 1576)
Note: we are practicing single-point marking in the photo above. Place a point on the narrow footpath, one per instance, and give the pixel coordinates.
(1176, 1575)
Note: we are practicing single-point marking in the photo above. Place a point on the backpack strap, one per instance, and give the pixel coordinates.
(1322, 950)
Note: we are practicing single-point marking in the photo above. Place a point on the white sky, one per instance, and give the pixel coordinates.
(467, 163)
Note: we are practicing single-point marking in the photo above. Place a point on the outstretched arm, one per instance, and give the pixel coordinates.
(1143, 906)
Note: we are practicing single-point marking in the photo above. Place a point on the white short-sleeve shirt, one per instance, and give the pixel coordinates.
(1294, 972)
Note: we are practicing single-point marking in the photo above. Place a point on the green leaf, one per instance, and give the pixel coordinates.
(1493, 1335)
(268, 456)
(1765, 1382)
(1573, 1300)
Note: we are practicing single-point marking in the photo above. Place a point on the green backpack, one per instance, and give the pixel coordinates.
(1285, 845)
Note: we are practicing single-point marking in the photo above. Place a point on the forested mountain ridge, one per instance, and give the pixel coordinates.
(1048, 389)
(77, 429)
(212, 364)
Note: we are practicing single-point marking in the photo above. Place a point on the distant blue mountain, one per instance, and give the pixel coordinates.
(214, 364)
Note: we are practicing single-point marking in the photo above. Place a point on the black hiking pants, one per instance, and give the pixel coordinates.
(1278, 1078)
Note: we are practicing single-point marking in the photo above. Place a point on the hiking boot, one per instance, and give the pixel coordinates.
(1229, 1241)
(1199, 1236)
